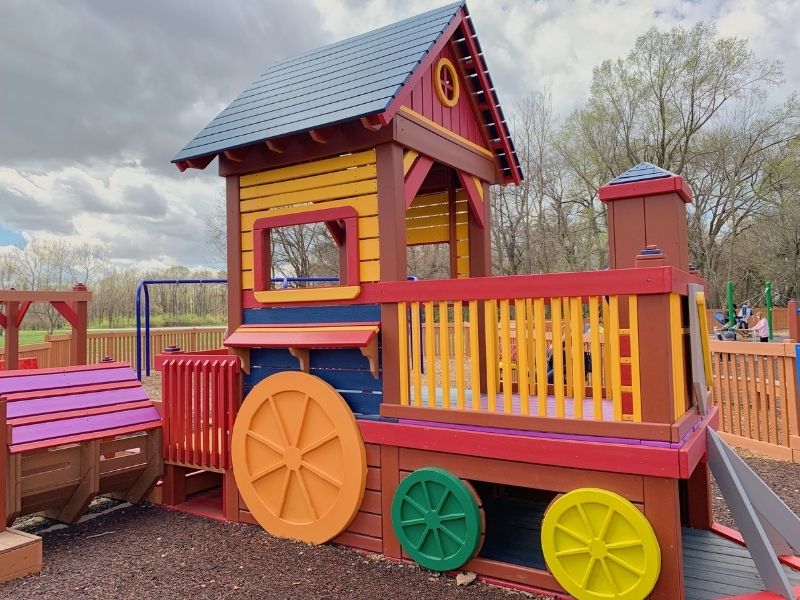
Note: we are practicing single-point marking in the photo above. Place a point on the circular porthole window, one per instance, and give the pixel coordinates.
(445, 81)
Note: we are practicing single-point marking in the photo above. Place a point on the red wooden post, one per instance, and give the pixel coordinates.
(3, 462)
(12, 335)
(79, 328)
(647, 227)
(793, 315)
(393, 262)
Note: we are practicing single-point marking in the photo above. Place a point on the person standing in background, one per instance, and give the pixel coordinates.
(761, 328)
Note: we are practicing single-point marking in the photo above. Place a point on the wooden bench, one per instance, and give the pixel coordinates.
(72, 433)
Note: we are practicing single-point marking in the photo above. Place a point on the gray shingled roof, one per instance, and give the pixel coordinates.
(339, 82)
(644, 171)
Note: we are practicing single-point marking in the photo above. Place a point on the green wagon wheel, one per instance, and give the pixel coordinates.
(437, 519)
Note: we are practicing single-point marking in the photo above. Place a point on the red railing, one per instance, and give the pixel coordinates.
(200, 394)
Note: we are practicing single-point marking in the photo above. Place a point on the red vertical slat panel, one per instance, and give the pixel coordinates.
(179, 413)
(166, 403)
(206, 420)
(215, 413)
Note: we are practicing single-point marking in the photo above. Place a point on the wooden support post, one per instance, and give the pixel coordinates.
(12, 335)
(4, 434)
(149, 477)
(88, 487)
(698, 497)
(234, 251)
(393, 261)
(173, 490)
(79, 329)
(230, 497)
(480, 265)
(793, 315)
(662, 509)
(390, 479)
(452, 228)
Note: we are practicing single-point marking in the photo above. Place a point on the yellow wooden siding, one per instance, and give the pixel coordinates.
(428, 222)
(344, 181)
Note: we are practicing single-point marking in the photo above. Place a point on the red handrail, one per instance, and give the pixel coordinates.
(200, 394)
(645, 280)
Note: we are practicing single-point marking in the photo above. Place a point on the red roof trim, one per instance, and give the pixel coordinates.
(653, 187)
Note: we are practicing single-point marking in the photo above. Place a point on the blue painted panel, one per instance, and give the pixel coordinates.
(364, 404)
(339, 82)
(359, 401)
(273, 357)
(342, 313)
(338, 358)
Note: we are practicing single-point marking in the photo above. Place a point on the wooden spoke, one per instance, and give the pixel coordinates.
(268, 443)
(323, 440)
(306, 495)
(264, 472)
(322, 474)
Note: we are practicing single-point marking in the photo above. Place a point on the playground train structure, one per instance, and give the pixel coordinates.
(552, 432)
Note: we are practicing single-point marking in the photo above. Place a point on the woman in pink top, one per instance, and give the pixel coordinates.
(762, 328)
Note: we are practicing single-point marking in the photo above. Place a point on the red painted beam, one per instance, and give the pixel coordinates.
(666, 185)
(416, 175)
(613, 458)
(23, 309)
(2, 320)
(66, 311)
(652, 280)
(474, 197)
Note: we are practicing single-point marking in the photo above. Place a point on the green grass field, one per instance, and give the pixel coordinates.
(27, 336)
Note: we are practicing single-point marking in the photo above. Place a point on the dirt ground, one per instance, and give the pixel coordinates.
(151, 552)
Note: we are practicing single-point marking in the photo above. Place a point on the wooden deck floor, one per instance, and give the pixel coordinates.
(442, 400)
(715, 567)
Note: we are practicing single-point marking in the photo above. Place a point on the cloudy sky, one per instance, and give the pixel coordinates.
(97, 96)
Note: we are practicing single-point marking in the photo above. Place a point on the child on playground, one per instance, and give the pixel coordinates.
(761, 328)
(743, 316)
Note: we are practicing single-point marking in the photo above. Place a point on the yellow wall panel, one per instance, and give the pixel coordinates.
(368, 249)
(247, 260)
(312, 168)
(368, 227)
(370, 271)
(332, 192)
(364, 205)
(428, 235)
(310, 183)
(247, 280)
(247, 241)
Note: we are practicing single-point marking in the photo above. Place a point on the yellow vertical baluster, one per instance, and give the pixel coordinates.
(594, 331)
(490, 317)
(475, 355)
(531, 336)
(430, 355)
(541, 356)
(633, 316)
(567, 345)
(402, 320)
(523, 365)
(558, 355)
(578, 371)
(458, 352)
(505, 339)
(444, 352)
(606, 351)
(613, 339)
(676, 338)
(416, 354)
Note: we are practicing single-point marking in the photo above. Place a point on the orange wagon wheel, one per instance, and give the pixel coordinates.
(298, 458)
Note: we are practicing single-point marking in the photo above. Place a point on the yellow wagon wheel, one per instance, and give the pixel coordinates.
(298, 458)
(599, 546)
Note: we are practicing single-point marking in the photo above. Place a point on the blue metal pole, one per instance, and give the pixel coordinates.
(147, 328)
(139, 331)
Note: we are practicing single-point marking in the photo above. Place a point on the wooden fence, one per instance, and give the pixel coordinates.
(755, 387)
(120, 344)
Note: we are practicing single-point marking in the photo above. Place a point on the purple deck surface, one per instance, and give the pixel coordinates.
(44, 406)
(533, 404)
(24, 434)
(49, 381)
